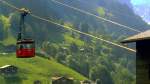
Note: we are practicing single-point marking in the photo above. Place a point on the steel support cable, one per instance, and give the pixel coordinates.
(106, 9)
(71, 29)
(88, 13)
(10, 5)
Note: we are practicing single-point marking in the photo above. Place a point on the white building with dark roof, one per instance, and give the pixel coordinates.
(8, 70)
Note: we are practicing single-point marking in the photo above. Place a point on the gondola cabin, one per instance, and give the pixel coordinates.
(25, 48)
(142, 41)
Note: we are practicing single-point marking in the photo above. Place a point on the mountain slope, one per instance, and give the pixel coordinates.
(35, 69)
(93, 57)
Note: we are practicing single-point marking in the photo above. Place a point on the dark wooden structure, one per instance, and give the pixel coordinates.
(86, 82)
(8, 70)
(62, 80)
(37, 82)
(143, 56)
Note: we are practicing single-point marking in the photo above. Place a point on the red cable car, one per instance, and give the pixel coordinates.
(25, 47)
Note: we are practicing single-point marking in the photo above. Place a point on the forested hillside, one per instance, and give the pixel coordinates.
(93, 58)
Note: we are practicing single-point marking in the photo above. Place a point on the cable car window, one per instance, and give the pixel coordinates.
(28, 46)
(25, 46)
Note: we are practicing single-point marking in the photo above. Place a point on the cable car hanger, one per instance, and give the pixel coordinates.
(24, 12)
(25, 46)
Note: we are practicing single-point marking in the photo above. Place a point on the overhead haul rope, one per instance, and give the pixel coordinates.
(114, 11)
(71, 29)
(88, 13)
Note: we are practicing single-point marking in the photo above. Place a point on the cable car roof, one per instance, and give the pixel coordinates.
(25, 41)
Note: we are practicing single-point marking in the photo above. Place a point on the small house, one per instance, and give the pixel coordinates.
(142, 41)
(86, 82)
(10, 48)
(8, 70)
(62, 80)
(37, 82)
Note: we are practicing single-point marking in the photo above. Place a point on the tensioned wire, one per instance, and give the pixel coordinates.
(71, 29)
(88, 13)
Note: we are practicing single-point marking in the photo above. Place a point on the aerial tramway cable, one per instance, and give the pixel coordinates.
(71, 29)
(114, 11)
(88, 13)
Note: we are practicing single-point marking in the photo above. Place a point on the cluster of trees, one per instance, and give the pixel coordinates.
(94, 59)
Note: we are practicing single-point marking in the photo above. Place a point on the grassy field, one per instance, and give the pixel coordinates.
(35, 69)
